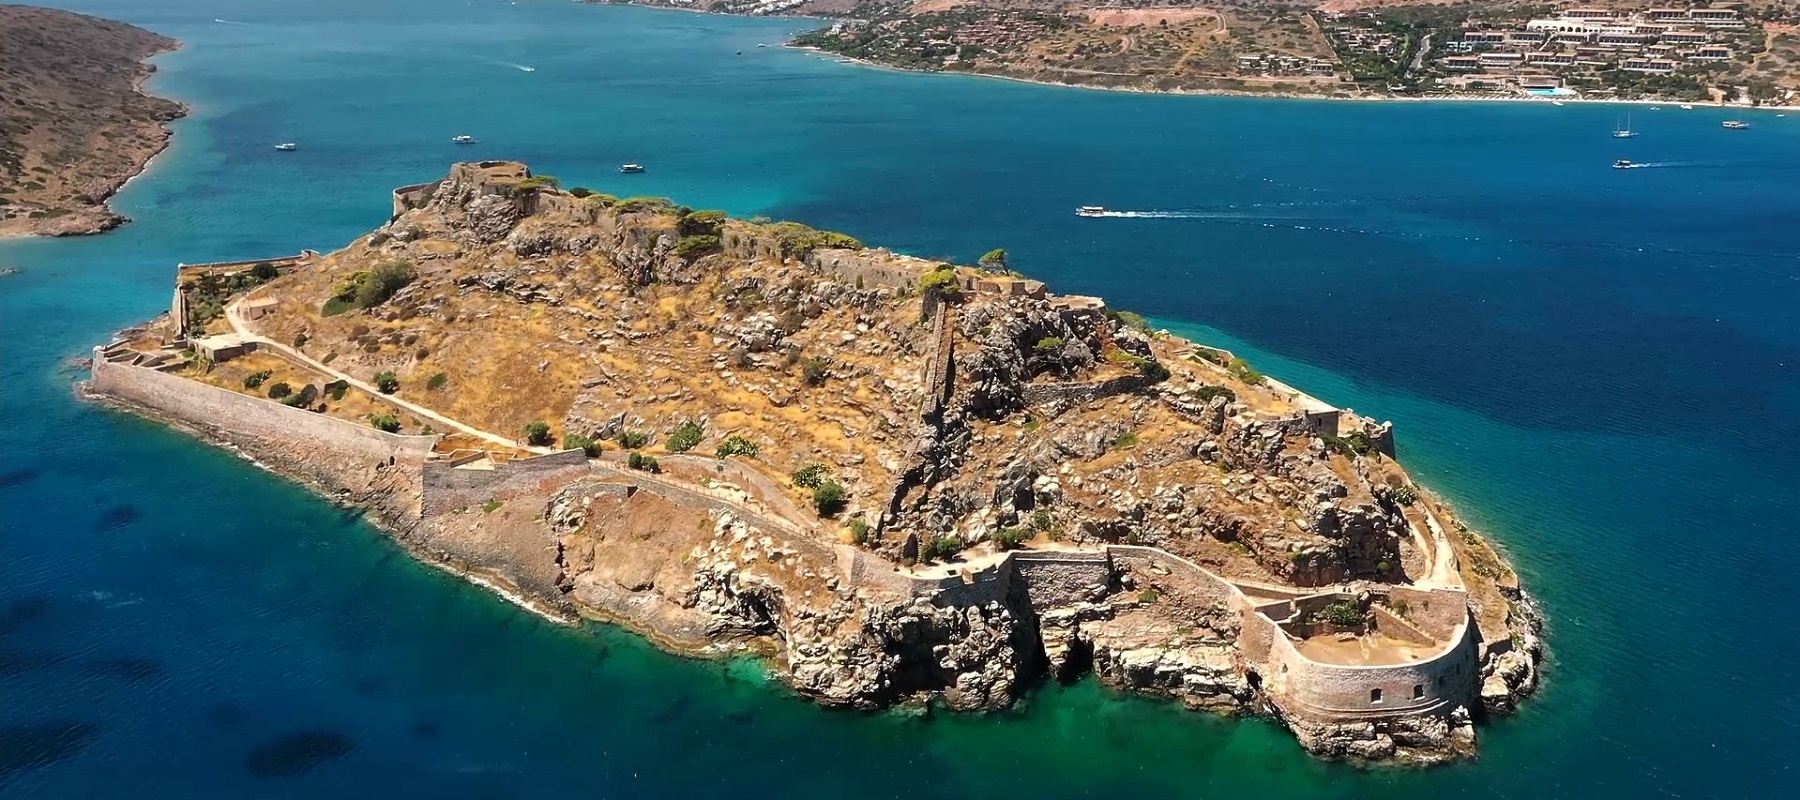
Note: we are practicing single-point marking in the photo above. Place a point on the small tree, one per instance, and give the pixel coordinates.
(809, 476)
(437, 381)
(814, 370)
(632, 440)
(1010, 538)
(279, 390)
(537, 433)
(685, 437)
(387, 382)
(829, 498)
(736, 446)
(994, 259)
(1050, 345)
(859, 531)
(582, 443)
(255, 379)
(641, 462)
(386, 422)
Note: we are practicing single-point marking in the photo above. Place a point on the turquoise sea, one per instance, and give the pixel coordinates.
(1597, 366)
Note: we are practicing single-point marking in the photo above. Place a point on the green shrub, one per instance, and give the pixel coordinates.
(1050, 344)
(537, 182)
(993, 259)
(279, 390)
(1132, 320)
(940, 548)
(1149, 596)
(632, 440)
(814, 370)
(859, 531)
(641, 462)
(809, 476)
(696, 246)
(1241, 370)
(1126, 441)
(1406, 494)
(295, 400)
(1010, 538)
(580, 191)
(264, 272)
(336, 389)
(437, 381)
(582, 443)
(1399, 606)
(382, 282)
(537, 433)
(941, 282)
(1207, 392)
(1211, 354)
(657, 205)
(736, 446)
(1342, 612)
(702, 223)
(386, 422)
(336, 306)
(329, 357)
(828, 498)
(1352, 446)
(685, 437)
(490, 506)
(256, 378)
(1040, 520)
(387, 382)
(1152, 370)
(300, 340)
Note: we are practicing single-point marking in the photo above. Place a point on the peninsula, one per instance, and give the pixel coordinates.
(74, 125)
(1745, 53)
(900, 480)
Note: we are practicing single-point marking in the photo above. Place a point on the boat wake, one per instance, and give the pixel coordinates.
(520, 67)
(229, 22)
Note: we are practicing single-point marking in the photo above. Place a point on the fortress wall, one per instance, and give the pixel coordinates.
(874, 267)
(1313, 690)
(1435, 612)
(1040, 394)
(407, 198)
(939, 364)
(1197, 582)
(1394, 627)
(329, 443)
(277, 261)
(1060, 578)
(446, 488)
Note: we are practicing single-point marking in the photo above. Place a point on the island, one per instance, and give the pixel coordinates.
(74, 124)
(1745, 53)
(902, 481)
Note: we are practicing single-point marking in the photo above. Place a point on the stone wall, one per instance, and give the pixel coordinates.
(1081, 393)
(1436, 612)
(1332, 692)
(226, 411)
(447, 488)
(407, 198)
(1055, 578)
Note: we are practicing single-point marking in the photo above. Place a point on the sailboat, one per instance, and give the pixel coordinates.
(1624, 131)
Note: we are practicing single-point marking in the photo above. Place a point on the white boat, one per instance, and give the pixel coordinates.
(287, 147)
(463, 138)
(1686, 107)
(1624, 131)
(631, 168)
(1735, 124)
(529, 69)
(1623, 164)
(1556, 102)
(1091, 211)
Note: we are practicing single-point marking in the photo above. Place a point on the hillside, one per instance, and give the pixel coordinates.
(73, 125)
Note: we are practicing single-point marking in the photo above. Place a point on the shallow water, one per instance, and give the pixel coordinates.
(1596, 365)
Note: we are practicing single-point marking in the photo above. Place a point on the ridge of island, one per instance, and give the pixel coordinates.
(900, 480)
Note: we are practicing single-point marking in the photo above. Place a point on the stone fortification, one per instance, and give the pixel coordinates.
(447, 486)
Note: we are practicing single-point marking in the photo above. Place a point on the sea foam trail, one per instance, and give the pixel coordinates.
(229, 22)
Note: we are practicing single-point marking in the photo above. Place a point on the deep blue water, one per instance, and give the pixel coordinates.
(1596, 365)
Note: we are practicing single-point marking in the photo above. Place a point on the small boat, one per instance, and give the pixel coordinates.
(1091, 211)
(1735, 124)
(1623, 164)
(1556, 102)
(1686, 107)
(463, 138)
(287, 147)
(762, 45)
(631, 168)
(529, 69)
(1624, 131)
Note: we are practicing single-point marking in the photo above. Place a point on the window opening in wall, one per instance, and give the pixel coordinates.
(1374, 695)
(1440, 681)
(1418, 690)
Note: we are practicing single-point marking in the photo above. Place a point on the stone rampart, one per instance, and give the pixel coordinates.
(939, 364)
(446, 488)
(1067, 395)
(877, 267)
(281, 427)
(1436, 612)
(1058, 578)
(407, 198)
(1334, 692)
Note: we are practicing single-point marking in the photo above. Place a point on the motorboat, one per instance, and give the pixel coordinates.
(1091, 211)
(287, 147)
(631, 168)
(1735, 124)
(1623, 164)
(463, 139)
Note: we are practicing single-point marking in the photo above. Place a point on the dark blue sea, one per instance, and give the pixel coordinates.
(1597, 366)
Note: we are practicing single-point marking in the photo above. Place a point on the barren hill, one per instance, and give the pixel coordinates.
(73, 125)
